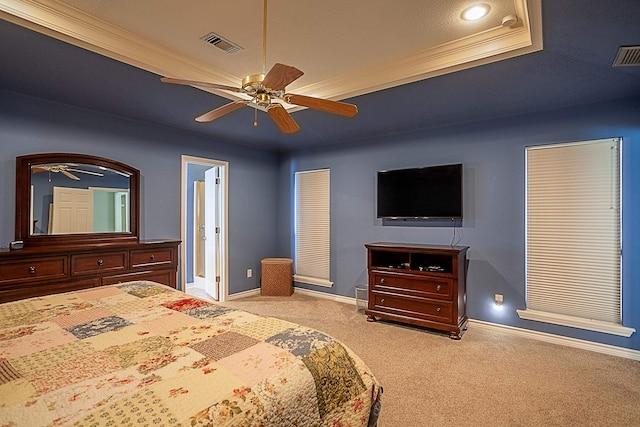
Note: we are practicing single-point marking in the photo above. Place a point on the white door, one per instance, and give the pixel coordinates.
(199, 238)
(121, 214)
(72, 210)
(212, 226)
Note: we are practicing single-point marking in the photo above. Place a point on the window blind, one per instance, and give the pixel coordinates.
(312, 227)
(573, 249)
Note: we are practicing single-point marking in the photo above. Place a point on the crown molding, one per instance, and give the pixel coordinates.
(489, 46)
(68, 24)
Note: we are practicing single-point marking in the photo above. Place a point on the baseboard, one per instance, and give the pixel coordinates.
(317, 294)
(611, 350)
(337, 298)
(244, 294)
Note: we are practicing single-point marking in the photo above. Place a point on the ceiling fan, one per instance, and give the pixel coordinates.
(265, 88)
(63, 169)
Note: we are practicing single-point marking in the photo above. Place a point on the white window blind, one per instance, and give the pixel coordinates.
(312, 227)
(573, 256)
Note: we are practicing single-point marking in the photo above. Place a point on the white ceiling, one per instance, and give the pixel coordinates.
(345, 48)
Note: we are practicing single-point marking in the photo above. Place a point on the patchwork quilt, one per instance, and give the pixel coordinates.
(141, 353)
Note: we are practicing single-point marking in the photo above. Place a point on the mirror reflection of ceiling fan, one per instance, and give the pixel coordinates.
(63, 169)
(265, 89)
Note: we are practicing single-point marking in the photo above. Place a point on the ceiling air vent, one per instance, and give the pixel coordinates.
(627, 56)
(221, 43)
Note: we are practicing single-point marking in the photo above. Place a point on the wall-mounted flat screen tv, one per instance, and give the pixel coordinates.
(420, 193)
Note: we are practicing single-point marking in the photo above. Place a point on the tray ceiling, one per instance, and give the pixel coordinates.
(344, 48)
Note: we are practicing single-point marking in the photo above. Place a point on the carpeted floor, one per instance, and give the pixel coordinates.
(488, 378)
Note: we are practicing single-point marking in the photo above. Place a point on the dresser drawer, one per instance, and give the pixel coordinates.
(166, 277)
(422, 286)
(98, 262)
(46, 289)
(417, 308)
(35, 269)
(145, 258)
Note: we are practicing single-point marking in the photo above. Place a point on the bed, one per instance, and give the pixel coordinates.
(141, 353)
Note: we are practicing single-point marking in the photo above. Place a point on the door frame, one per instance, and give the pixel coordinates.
(184, 231)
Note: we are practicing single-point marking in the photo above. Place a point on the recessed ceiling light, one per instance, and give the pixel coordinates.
(475, 12)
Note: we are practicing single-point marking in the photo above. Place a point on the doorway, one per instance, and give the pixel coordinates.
(204, 227)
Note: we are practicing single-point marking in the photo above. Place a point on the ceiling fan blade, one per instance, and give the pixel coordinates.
(70, 175)
(38, 169)
(280, 75)
(221, 111)
(87, 172)
(334, 107)
(282, 118)
(201, 84)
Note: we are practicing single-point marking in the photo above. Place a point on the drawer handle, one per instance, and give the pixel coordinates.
(438, 310)
(382, 281)
(438, 288)
(32, 270)
(152, 257)
(382, 300)
(100, 262)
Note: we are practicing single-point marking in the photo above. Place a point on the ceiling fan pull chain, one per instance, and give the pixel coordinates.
(255, 117)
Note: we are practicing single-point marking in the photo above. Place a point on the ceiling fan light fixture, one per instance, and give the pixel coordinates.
(263, 99)
(252, 83)
(475, 12)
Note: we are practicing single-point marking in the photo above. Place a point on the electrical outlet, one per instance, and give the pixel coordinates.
(249, 272)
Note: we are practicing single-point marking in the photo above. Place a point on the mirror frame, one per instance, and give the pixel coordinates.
(23, 202)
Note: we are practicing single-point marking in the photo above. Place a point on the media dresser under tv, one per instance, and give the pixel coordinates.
(422, 285)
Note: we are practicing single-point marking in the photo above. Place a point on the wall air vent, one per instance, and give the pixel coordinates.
(627, 56)
(221, 43)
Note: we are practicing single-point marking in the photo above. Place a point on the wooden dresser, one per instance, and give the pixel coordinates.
(41, 271)
(423, 285)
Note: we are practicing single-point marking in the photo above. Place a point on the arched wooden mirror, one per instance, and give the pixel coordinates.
(75, 199)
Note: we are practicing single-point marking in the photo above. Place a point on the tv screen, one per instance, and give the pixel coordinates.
(427, 192)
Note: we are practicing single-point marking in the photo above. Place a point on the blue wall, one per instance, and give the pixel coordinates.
(493, 154)
(260, 189)
(30, 125)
